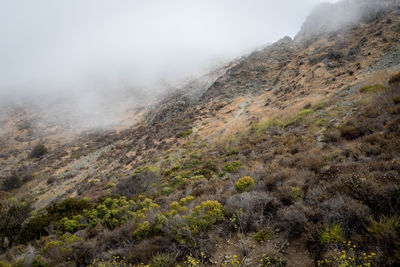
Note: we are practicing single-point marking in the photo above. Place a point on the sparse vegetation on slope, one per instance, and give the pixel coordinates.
(314, 184)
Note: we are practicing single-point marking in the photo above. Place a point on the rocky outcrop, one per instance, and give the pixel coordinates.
(329, 17)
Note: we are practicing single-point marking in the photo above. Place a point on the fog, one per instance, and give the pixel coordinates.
(88, 58)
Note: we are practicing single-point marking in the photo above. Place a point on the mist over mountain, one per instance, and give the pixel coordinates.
(101, 56)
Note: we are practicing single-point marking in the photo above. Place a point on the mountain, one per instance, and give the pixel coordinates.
(288, 156)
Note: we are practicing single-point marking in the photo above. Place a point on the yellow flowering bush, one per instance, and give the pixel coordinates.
(245, 183)
(349, 256)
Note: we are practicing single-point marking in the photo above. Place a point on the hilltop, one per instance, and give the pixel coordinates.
(287, 156)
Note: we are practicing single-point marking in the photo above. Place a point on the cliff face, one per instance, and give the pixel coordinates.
(314, 121)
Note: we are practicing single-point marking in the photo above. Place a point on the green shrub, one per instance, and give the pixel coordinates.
(264, 126)
(296, 193)
(166, 190)
(262, 235)
(110, 185)
(163, 260)
(332, 234)
(245, 183)
(184, 133)
(38, 225)
(195, 162)
(208, 169)
(207, 213)
(140, 169)
(113, 212)
(70, 225)
(319, 106)
(385, 233)
(12, 182)
(232, 167)
(300, 116)
(37, 262)
(372, 88)
(186, 200)
(38, 151)
(142, 231)
(378, 228)
(13, 214)
(231, 153)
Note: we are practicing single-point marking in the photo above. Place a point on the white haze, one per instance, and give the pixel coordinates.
(84, 59)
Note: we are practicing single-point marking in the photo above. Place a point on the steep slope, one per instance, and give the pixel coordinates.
(314, 123)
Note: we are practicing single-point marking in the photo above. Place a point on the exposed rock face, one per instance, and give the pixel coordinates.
(331, 17)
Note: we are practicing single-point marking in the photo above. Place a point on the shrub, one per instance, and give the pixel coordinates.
(350, 131)
(252, 210)
(319, 105)
(300, 116)
(70, 225)
(396, 100)
(163, 260)
(60, 250)
(245, 183)
(166, 190)
(293, 219)
(84, 252)
(262, 235)
(12, 182)
(331, 135)
(208, 169)
(262, 127)
(184, 133)
(113, 212)
(232, 167)
(38, 225)
(277, 176)
(269, 261)
(372, 88)
(186, 200)
(296, 193)
(395, 79)
(12, 215)
(231, 153)
(38, 151)
(207, 213)
(142, 231)
(351, 214)
(348, 255)
(37, 262)
(386, 233)
(331, 234)
(116, 261)
(314, 161)
(141, 182)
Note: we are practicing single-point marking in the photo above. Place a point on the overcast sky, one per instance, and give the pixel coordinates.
(56, 44)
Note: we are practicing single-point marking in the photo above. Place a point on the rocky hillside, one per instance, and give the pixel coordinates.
(288, 156)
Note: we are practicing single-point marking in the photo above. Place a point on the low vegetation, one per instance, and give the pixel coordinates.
(38, 151)
(331, 186)
(245, 183)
